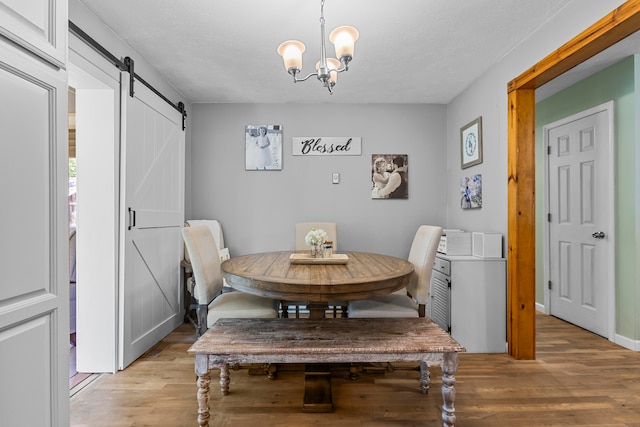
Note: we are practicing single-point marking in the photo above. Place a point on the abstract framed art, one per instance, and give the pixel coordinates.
(471, 192)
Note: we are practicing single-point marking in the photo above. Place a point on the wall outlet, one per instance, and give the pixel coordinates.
(335, 178)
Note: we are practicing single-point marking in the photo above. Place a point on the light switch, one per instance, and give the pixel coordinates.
(336, 178)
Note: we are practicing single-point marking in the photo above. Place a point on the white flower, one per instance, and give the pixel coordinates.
(316, 236)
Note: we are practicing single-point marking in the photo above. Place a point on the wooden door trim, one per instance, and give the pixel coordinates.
(615, 26)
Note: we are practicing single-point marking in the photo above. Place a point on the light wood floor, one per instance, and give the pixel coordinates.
(577, 379)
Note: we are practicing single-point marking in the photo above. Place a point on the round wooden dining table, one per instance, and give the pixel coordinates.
(294, 276)
(289, 276)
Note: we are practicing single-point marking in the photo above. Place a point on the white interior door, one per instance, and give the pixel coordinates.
(153, 215)
(34, 261)
(580, 228)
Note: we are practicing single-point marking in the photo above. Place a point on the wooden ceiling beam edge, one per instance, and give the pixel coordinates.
(615, 26)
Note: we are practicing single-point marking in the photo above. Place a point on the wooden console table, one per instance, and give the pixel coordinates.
(326, 341)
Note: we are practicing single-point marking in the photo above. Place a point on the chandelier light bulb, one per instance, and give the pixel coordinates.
(344, 40)
(291, 52)
(327, 69)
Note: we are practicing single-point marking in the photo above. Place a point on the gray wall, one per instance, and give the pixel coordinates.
(487, 97)
(258, 209)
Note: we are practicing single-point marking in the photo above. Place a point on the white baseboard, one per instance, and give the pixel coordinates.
(627, 342)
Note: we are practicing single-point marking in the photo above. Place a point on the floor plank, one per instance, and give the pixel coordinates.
(577, 379)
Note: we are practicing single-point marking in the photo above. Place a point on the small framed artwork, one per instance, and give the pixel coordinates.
(263, 147)
(389, 176)
(471, 143)
(471, 192)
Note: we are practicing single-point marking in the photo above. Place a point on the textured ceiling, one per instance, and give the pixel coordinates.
(409, 51)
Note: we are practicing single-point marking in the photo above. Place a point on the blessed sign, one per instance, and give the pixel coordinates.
(327, 146)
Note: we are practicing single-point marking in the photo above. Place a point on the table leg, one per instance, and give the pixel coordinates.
(317, 389)
(224, 380)
(317, 309)
(203, 399)
(425, 377)
(317, 377)
(449, 367)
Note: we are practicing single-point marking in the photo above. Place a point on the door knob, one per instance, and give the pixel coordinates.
(598, 235)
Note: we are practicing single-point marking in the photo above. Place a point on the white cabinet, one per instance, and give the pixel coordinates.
(469, 299)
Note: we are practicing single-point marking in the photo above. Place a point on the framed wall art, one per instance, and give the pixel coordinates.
(263, 147)
(389, 176)
(471, 143)
(471, 192)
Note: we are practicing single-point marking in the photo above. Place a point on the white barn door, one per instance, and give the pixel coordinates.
(153, 166)
(34, 285)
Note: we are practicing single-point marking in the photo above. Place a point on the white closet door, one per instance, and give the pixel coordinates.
(581, 229)
(34, 288)
(152, 206)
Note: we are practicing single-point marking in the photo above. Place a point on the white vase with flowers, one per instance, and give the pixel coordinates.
(315, 238)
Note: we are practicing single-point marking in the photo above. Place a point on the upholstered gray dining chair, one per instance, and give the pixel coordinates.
(207, 283)
(410, 301)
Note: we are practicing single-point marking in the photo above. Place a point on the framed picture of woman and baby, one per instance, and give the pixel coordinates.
(263, 145)
(389, 176)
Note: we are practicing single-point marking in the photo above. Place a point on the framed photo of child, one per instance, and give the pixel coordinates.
(263, 147)
(389, 176)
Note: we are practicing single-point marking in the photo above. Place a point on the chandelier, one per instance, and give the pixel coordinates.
(327, 69)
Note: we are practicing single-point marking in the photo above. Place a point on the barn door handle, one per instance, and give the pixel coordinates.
(598, 235)
(132, 218)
